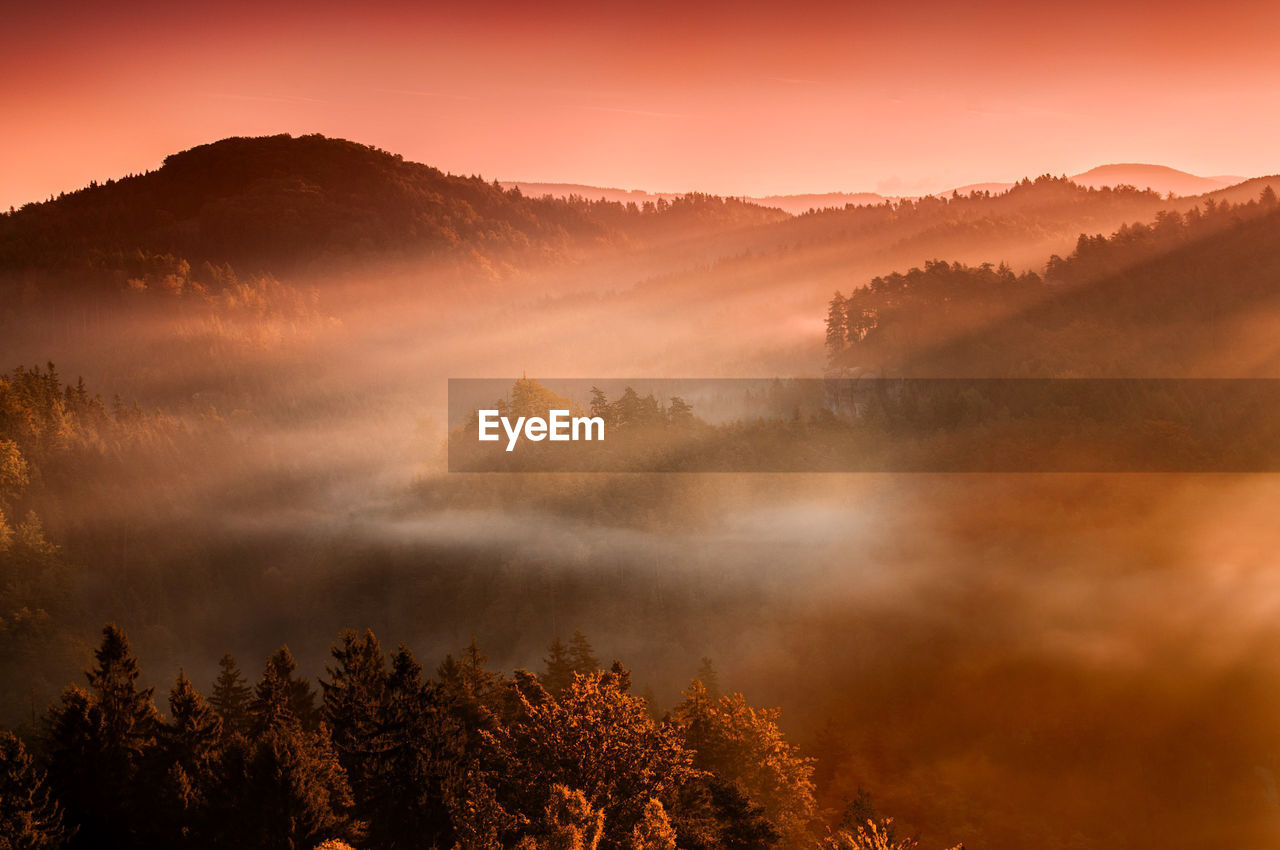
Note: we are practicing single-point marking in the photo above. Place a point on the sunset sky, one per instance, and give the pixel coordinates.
(733, 98)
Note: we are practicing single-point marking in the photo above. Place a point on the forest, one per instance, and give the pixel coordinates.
(224, 426)
(1134, 304)
(382, 755)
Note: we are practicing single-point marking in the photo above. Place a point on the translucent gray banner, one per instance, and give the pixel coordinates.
(864, 423)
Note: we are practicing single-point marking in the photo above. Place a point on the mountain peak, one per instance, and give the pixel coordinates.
(1160, 178)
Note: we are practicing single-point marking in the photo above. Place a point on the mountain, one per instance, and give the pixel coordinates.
(283, 204)
(993, 188)
(1159, 178)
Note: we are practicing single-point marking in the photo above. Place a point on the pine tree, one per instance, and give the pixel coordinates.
(293, 794)
(837, 326)
(285, 785)
(559, 669)
(129, 712)
(680, 413)
(353, 705)
(473, 694)
(193, 733)
(230, 697)
(271, 706)
(710, 812)
(30, 817)
(709, 678)
(184, 771)
(581, 656)
(97, 742)
(301, 699)
(475, 681)
(420, 745)
(600, 406)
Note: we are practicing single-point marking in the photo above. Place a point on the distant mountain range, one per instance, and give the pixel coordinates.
(1158, 178)
(793, 204)
(301, 205)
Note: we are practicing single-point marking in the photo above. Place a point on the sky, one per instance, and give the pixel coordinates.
(732, 98)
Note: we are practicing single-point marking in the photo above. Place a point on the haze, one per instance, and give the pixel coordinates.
(271, 314)
(819, 97)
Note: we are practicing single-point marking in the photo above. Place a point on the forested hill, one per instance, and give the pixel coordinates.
(279, 204)
(1191, 295)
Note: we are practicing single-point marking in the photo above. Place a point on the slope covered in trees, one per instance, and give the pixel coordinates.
(1180, 297)
(388, 757)
(281, 204)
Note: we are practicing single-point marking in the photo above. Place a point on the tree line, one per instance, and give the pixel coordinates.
(1148, 299)
(382, 755)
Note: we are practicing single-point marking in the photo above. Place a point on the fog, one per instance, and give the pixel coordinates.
(1009, 661)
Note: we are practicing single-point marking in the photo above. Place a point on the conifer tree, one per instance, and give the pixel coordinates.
(271, 705)
(559, 669)
(193, 732)
(837, 326)
(474, 678)
(301, 699)
(420, 747)
(230, 697)
(295, 792)
(680, 412)
(97, 742)
(354, 699)
(471, 691)
(30, 817)
(185, 770)
(600, 406)
(709, 678)
(285, 786)
(582, 659)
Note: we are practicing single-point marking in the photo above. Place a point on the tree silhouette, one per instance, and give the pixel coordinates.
(30, 818)
(230, 696)
(97, 742)
(581, 656)
(559, 668)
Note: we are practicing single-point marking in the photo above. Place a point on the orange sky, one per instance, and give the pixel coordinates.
(735, 98)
